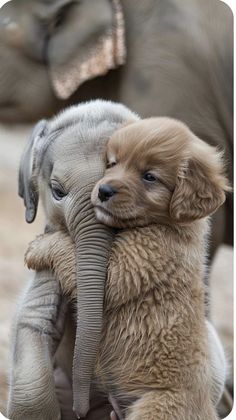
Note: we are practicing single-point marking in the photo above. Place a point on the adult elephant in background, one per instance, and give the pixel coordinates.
(157, 57)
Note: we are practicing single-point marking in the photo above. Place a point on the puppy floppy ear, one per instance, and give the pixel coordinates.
(28, 172)
(201, 184)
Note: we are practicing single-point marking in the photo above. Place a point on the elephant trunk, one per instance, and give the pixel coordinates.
(93, 243)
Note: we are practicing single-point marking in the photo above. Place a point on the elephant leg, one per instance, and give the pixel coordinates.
(64, 394)
(38, 328)
(99, 405)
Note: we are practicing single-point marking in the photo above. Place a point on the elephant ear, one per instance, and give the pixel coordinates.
(28, 172)
(87, 41)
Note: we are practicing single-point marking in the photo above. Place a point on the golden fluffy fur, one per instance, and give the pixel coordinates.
(153, 356)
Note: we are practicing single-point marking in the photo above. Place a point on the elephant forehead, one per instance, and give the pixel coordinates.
(72, 170)
(76, 157)
(78, 146)
(81, 142)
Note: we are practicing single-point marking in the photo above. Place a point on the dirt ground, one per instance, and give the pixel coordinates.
(15, 235)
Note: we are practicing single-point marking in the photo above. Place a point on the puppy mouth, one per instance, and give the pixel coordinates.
(108, 214)
(104, 211)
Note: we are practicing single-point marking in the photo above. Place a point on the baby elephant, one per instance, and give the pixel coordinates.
(154, 356)
(61, 163)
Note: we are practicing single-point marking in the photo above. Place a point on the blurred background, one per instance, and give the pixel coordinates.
(159, 57)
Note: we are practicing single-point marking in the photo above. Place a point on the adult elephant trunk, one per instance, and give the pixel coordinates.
(93, 243)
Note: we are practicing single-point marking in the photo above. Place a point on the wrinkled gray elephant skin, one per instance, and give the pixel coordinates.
(61, 164)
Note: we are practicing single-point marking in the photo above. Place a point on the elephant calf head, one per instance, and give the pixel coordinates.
(63, 160)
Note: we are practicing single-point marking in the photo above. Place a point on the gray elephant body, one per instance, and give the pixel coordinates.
(179, 63)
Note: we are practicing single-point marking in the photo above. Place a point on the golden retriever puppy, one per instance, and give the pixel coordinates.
(160, 185)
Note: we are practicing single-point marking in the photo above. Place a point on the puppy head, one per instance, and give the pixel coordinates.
(158, 171)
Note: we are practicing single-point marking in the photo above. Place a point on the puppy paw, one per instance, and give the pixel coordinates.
(35, 256)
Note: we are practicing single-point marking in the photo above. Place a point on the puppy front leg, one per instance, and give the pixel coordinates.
(168, 405)
(55, 251)
(156, 405)
(37, 331)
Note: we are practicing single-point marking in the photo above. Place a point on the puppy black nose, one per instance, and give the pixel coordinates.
(105, 192)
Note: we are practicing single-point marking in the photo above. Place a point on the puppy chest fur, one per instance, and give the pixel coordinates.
(154, 333)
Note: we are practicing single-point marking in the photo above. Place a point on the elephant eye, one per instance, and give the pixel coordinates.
(57, 191)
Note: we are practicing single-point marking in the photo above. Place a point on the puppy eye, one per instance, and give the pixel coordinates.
(57, 192)
(111, 164)
(148, 176)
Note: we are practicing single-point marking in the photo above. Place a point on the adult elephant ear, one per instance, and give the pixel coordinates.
(87, 42)
(29, 169)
